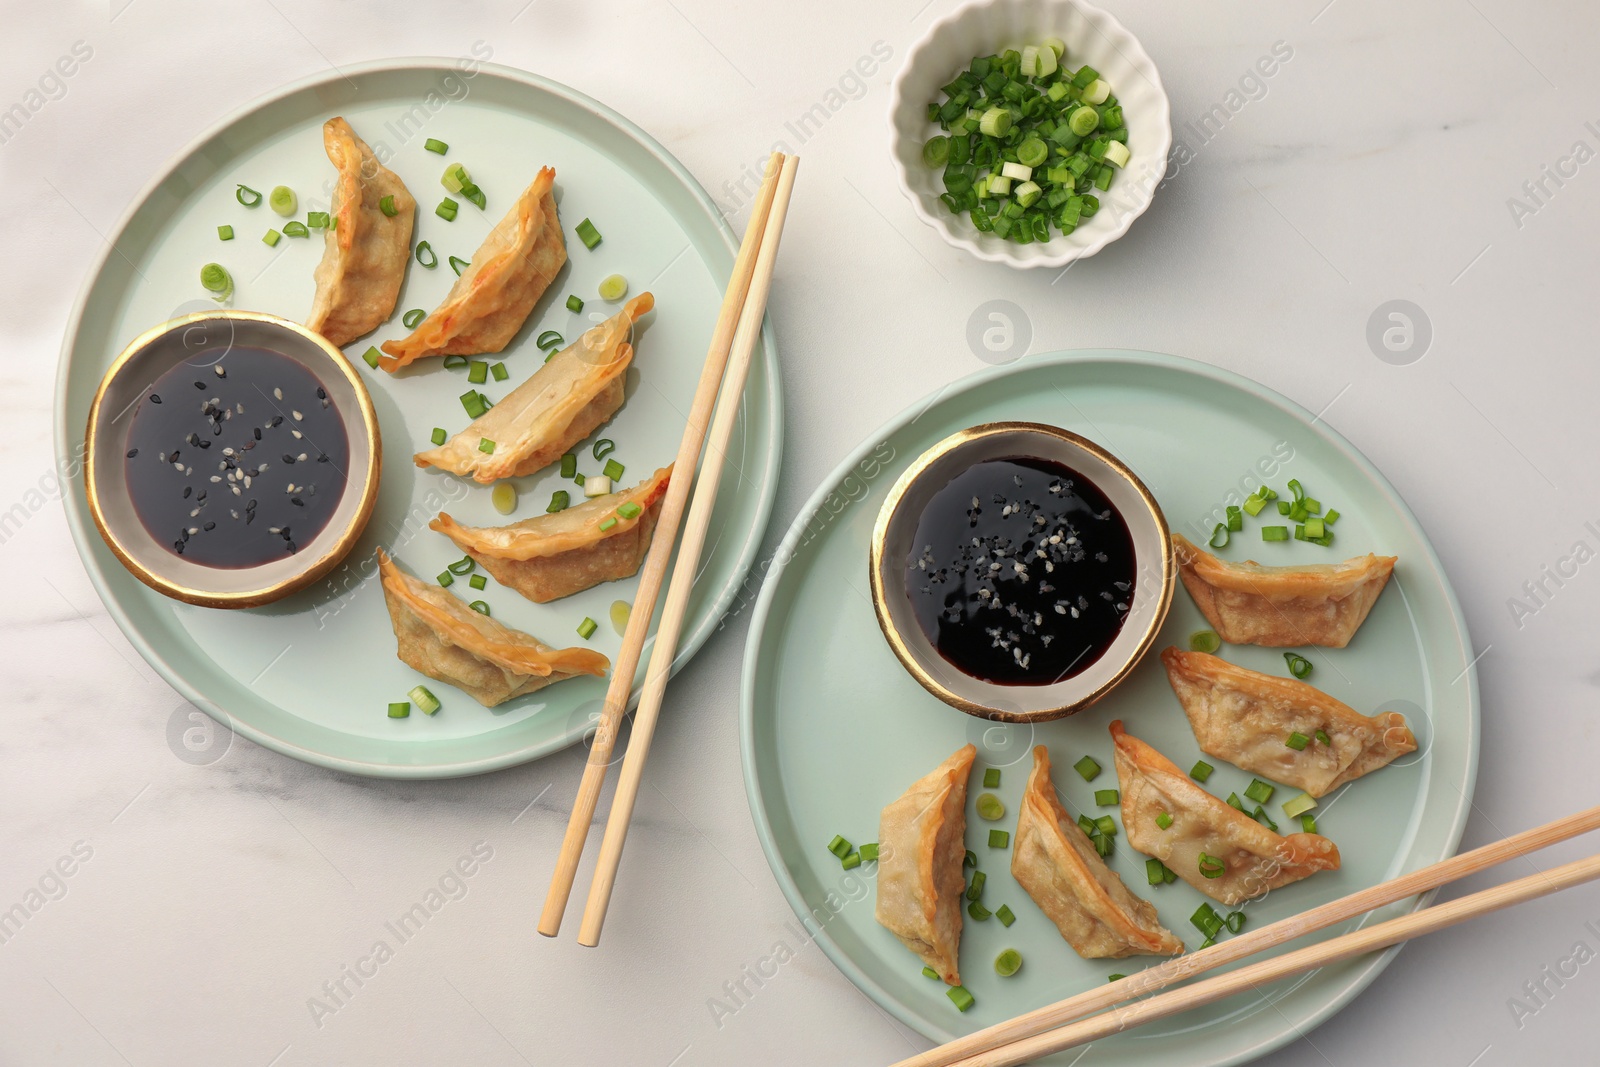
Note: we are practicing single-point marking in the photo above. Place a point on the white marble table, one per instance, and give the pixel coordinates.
(212, 900)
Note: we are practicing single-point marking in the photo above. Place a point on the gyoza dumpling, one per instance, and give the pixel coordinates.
(921, 850)
(1056, 865)
(1282, 607)
(577, 390)
(551, 556)
(1247, 717)
(365, 251)
(491, 300)
(1251, 858)
(443, 638)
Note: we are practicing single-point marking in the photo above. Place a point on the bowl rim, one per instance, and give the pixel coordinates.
(899, 642)
(317, 566)
(1008, 253)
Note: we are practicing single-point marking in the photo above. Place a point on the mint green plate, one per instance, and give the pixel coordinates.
(312, 675)
(833, 728)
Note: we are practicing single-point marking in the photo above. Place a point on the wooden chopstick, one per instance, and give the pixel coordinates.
(655, 566)
(689, 547)
(1235, 948)
(1255, 975)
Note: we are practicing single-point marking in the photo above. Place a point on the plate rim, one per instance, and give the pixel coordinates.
(66, 460)
(1365, 969)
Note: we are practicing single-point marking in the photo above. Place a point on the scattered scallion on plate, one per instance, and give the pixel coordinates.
(458, 265)
(400, 709)
(371, 356)
(959, 996)
(869, 851)
(999, 839)
(1107, 798)
(283, 201)
(478, 581)
(504, 497)
(1088, 768)
(439, 436)
(1204, 641)
(1201, 771)
(435, 145)
(1299, 666)
(215, 279)
(479, 606)
(271, 238)
(447, 209)
(574, 304)
(613, 288)
(296, 228)
(424, 699)
(840, 847)
(1005, 915)
(478, 371)
(1260, 792)
(991, 778)
(621, 612)
(586, 630)
(614, 470)
(246, 196)
(413, 318)
(225, 233)
(990, 807)
(388, 206)
(425, 249)
(1008, 963)
(587, 234)
(498, 372)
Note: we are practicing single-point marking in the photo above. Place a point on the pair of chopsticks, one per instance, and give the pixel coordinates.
(1072, 1022)
(726, 367)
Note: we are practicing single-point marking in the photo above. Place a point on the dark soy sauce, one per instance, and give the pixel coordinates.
(236, 458)
(1021, 572)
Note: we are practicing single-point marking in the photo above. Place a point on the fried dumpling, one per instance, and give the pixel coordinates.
(577, 390)
(1056, 865)
(921, 850)
(1282, 607)
(443, 638)
(365, 251)
(1247, 717)
(1251, 858)
(496, 292)
(551, 556)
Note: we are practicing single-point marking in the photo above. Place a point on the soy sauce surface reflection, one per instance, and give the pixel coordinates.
(1021, 571)
(236, 459)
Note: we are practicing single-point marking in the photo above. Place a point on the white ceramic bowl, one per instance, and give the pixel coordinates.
(202, 340)
(986, 27)
(1155, 569)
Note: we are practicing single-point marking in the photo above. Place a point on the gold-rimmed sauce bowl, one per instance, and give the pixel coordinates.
(893, 546)
(203, 340)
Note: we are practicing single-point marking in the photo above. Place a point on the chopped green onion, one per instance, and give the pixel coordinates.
(1297, 741)
(478, 371)
(454, 362)
(1297, 489)
(477, 581)
(970, 859)
(929, 972)
(1005, 915)
(1106, 798)
(1235, 803)
(578, 479)
(550, 339)
(1284, 507)
(587, 234)
(574, 304)
(372, 355)
(387, 206)
(1204, 641)
(960, 997)
(447, 209)
(869, 851)
(455, 177)
(486, 446)
(607, 524)
(1205, 918)
(613, 469)
(1274, 533)
(630, 510)
(1155, 872)
(499, 372)
(1260, 815)
(423, 698)
(246, 195)
(1260, 791)
(225, 233)
(560, 500)
(1008, 963)
(999, 838)
(439, 436)
(1201, 771)
(936, 151)
(975, 888)
(1211, 867)
(1164, 820)
(295, 229)
(587, 627)
(433, 144)
(214, 278)
(1253, 505)
(1106, 825)
(1103, 844)
(851, 862)
(1322, 737)
(1235, 519)
(1219, 536)
(1234, 921)
(413, 318)
(978, 911)
(840, 847)
(1087, 825)
(996, 122)
(432, 261)
(400, 709)
(1083, 121)
(472, 401)
(318, 220)
(1315, 528)
(1308, 824)
(621, 611)
(464, 565)
(569, 465)
(1299, 666)
(595, 485)
(446, 579)
(613, 287)
(1088, 768)
(283, 201)
(991, 778)
(458, 265)
(271, 238)
(1299, 805)
(504, 497)
(1331, 517)
(990, 807)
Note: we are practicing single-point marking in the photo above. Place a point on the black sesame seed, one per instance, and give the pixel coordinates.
(173, 458)
(252, 505)
(193, 438)
(200, 385)
(297, 502)
(322, 394)
(323, 458)
(291, 547)
(258, 433)
(288, 457)
(187, 490)
(285, 532)
(277, 420)
(205, 444)
(154, 399)
(177, 547)
(202, 495)
(249, 517)
(209, 526)
(216, 430)
(132, 452)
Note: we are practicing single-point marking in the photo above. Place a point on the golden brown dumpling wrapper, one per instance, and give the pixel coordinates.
(551, 556)
(448, 641)
(1254, 859)
(496, 292)
(1246, 717)
(364, 252)
(921, 851)
(565, 400)
(1056, 865)
(1282, 607)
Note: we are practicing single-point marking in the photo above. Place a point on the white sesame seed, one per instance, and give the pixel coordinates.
(297, 415)
(236, 492)
(301, 458)
(193, 513)
(247, 481)
(273, 529)
(220, 372)
(216, 477)
(297, 434)
(278, 393)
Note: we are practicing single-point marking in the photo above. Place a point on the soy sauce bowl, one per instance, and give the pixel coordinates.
(203, 342)
(894, 549)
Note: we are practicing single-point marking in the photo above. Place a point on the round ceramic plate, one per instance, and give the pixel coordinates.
(833, 728)
(311, 676)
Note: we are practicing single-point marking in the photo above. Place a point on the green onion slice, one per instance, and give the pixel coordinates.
(425, 249)
(458, 265)
(999, 838)
(464, 565)
(423, 698)
(574, 304)
(869, 851)
(1211, 867)
(1088, 768)
(246, 196)
(295, 229)
(387, 206)
(970, 859)
(587, 627)
(413, 318)
(550, 339)
(1201, 771)
(1106, 798)
(978, 911)
(1005, 915)
(372, 355)
(560, 500)
(990, 807)
(603, 447)
(1155, 872)
(1008, 963)
(1219, 536)
(975, 888)
(958, 994)
(1297, 741)
(613, 469)
(400, 709)
(1260, 791)
(1299, 666)
(587, 234)
(435, 145)
(1204, 641)
(215, 279)
(1164, 820)
(840, 847)
(225, 233)
(1299, 805)
(283, 201)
